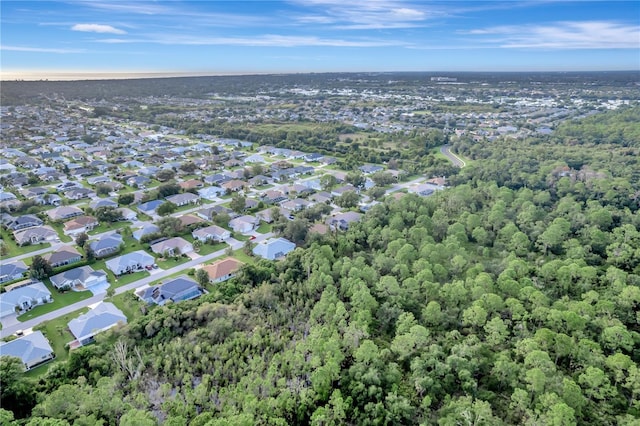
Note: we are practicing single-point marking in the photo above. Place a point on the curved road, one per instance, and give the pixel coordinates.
(457, 161)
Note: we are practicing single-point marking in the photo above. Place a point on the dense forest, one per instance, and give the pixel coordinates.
(511, 298)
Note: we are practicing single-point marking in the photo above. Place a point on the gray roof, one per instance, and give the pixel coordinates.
(30, 348)
(169, 290)
(11, 269)
(273, 248)
(103, 316)
(145, 230)
(107, 241)
(79, 274)
(11, 299)
(128, 260)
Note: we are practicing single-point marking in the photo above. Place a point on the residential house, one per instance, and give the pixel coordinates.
(64, 212)
(34, 192)
(296, 205)
(83, 277)
(217, 179)
(146, 229)
(191, 184)
(267, 215)
(369, 169)
(24, 222)
(65, 255)
(150, 207)
(33, 349)
(98, 179)
(127, 214)
(211, 233)
(183, 199)
(23, 298)
(223, 269)
(424, 189)
(101, 317)
(341, 221)
(175, 290)
(273, 248)
(10, 271)
(79, 193)
(138, 181)
(190, 220)
(172, 247)
(49, 200)
(321, 197)
(211, 192)
(258, 180)
(273, 196)
(243, 224)
(102, 202)
(218, 210)
(35, 235)
(234, 185)
(79, 225)
(107, 245)
(130, 262)
(341, 190)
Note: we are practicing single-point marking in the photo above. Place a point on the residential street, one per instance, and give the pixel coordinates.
(10, 325)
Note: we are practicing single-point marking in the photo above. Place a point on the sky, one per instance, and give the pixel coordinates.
(47, 38)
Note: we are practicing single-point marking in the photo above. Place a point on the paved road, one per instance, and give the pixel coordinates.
(457, 161)
(10, 325)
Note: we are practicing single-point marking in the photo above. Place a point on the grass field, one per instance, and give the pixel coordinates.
(129, 304)
(60, 300)
(15, 250)
(264, 228)
(58, 334)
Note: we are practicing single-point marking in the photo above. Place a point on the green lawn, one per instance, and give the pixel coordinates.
(240, 237)
(210, 248)
(170, 262)
(58, 334)
(264, 228)
(59, 229)
(108, 226)
(15, 250)
(60, 300)
(243, 257)
(129, 304)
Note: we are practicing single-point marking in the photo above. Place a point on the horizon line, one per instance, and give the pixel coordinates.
(133, 75)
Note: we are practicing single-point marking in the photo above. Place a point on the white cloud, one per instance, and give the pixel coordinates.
(563, 35)
(373, 14)
(39, 49)
(267, 40)
(97, 28)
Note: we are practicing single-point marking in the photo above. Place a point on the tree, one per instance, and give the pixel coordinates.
(166, 208)
(165, 175)
(40, 268)
(126, 199)
(202, 277)
(102, 189)
(188, 167)
(328, 181)
(17, 392)
(377, 193)
(170, 226)
(168, 189)
(108, 214)
(348, 199)
(81, 239)
(237, 203)
(356, 179)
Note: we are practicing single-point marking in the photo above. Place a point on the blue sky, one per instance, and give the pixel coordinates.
(317, 36)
